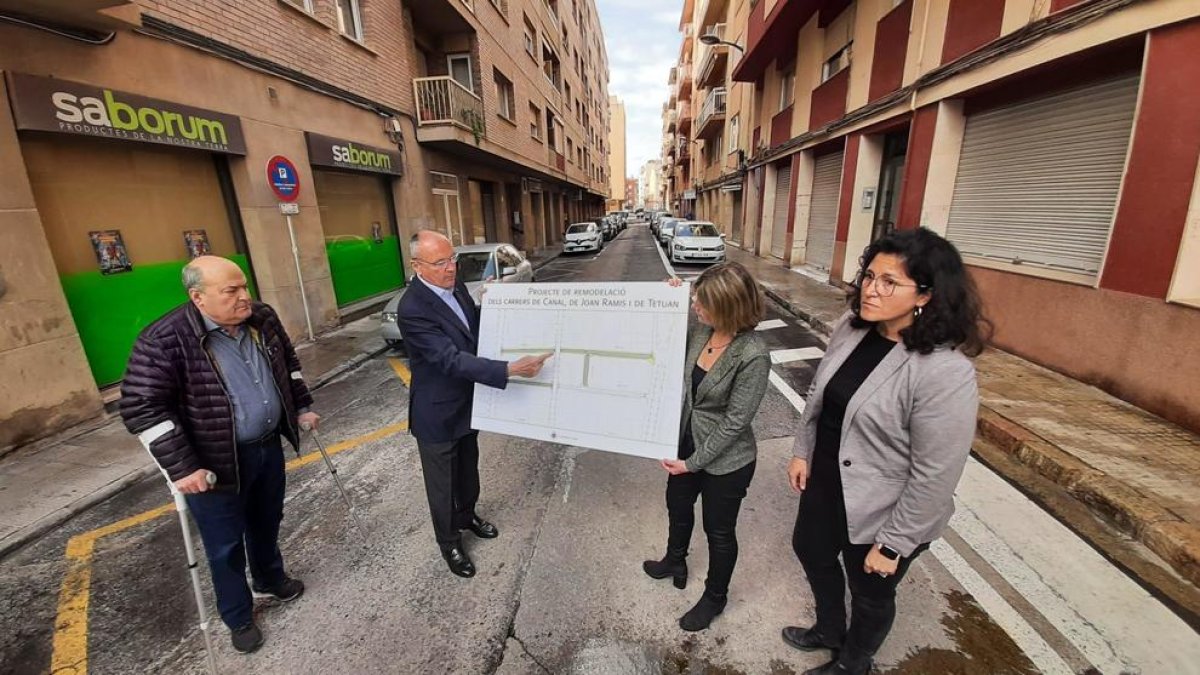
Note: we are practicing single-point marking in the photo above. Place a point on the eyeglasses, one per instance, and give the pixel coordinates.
(440, 264)
(884, 286)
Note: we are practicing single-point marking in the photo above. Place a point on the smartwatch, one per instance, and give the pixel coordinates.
(889, 552)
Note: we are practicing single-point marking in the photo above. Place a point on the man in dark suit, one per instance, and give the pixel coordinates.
(440, 325)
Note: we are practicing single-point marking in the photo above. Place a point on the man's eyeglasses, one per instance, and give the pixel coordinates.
(440, 264)
(884, 286)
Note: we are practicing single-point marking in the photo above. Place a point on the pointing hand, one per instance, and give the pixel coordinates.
(528, 366)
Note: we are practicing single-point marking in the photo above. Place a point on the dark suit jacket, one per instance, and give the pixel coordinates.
(444, 366)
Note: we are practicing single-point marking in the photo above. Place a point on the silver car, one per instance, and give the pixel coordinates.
(666, 230)
(477, 263)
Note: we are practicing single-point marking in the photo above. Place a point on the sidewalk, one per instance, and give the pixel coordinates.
(1136, 470)
(47, 482)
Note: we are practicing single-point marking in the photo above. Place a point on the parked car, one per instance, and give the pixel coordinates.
(609, 227)
(583, 237)
(666, 230)
(477, 263)
(695, 241)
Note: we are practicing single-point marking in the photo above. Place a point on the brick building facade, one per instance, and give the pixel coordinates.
(139, 135)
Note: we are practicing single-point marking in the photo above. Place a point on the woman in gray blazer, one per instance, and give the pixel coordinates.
(723, 386)
(883, 440)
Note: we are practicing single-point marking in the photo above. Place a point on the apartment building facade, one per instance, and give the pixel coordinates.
(141, 134)
(617, 156)
(649, 184)
(1054, 142)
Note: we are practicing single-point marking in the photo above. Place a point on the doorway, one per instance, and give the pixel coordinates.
(891, 178)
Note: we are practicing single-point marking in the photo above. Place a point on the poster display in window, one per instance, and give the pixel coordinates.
(196, 242)
(111, 254)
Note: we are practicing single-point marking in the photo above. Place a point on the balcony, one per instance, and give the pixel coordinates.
(714, 59)
(684, 121)
(685, 147)
(684, 85)
(446, 109)
(712, 114)
(672, 118)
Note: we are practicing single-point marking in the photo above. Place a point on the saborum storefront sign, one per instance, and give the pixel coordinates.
(49, 104)
(341, 154)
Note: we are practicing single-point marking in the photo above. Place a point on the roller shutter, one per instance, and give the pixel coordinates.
(1038, 181)
(783, 192)
(822, 217)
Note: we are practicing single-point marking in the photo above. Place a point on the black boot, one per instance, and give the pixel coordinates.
(700, 616)
(674, 565)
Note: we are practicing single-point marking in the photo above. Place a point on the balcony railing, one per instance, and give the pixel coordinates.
(442, 100)
(714, 107)
(713, 59)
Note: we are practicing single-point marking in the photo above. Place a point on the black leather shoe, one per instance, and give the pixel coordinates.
(246, 639)
(482, 528)
(459, 562)
(808, 639)
(287, 590)
(835, 667)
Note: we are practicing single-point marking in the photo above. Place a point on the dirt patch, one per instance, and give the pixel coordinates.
(983, 646)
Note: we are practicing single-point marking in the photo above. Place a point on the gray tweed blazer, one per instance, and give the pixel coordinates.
(725, 403)
(905, 439)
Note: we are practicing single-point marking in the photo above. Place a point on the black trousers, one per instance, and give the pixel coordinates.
(819, 537)
(721, 499)
(451, 473)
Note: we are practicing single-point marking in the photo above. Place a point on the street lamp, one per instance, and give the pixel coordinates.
(711, 40)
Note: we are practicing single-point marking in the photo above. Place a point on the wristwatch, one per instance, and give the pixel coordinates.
(888, 552)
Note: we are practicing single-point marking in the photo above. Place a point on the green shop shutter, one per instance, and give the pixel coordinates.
(1038, 181)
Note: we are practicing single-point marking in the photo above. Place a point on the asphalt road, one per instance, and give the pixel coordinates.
(1008, 591)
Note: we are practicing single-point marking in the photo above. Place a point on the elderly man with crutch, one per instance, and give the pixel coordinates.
(210, 389)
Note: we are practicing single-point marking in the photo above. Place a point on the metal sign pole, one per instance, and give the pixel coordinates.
(300, 277)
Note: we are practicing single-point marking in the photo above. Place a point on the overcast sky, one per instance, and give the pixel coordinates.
(642, 39)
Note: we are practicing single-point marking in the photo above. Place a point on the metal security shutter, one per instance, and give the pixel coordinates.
(783, 193)
(1038, 181)
(823, 212)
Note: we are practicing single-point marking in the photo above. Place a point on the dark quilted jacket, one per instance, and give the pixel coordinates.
(171, 378)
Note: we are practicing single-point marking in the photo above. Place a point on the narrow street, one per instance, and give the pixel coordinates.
(1009, 590)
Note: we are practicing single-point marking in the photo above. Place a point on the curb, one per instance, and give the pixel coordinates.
(39, 527)
(1177, 542)
(813, 321)
(542, 262)
(24, 536)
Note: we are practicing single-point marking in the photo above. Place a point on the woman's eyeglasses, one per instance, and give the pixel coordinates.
(884, 286)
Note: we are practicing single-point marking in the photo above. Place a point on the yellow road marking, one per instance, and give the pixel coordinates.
(71, 625)
(402, 371)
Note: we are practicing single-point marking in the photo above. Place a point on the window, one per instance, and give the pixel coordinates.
(502, 7)
(302, 5)
(530, 37)
(459, 66)
(735, 130)
(550, 65)
(506, 102)
(552, 5)
(535, 122)
(350, 19)
(567, 92)
(836, 63)
(787, 89)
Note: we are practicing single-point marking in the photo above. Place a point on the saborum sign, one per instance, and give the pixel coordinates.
(342, 154)
(49, 104)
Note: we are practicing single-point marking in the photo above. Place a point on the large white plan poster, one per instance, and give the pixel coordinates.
(615, 380)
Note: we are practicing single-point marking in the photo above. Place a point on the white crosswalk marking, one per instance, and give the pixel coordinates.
(802, 354)
(770, 324)
(790, 394)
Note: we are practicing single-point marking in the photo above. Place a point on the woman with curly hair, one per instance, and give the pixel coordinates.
(884, 439)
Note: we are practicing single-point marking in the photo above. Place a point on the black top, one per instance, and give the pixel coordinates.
(687, 445)
(841, 388)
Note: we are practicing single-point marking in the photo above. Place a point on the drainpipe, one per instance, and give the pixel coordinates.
(912, 102)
